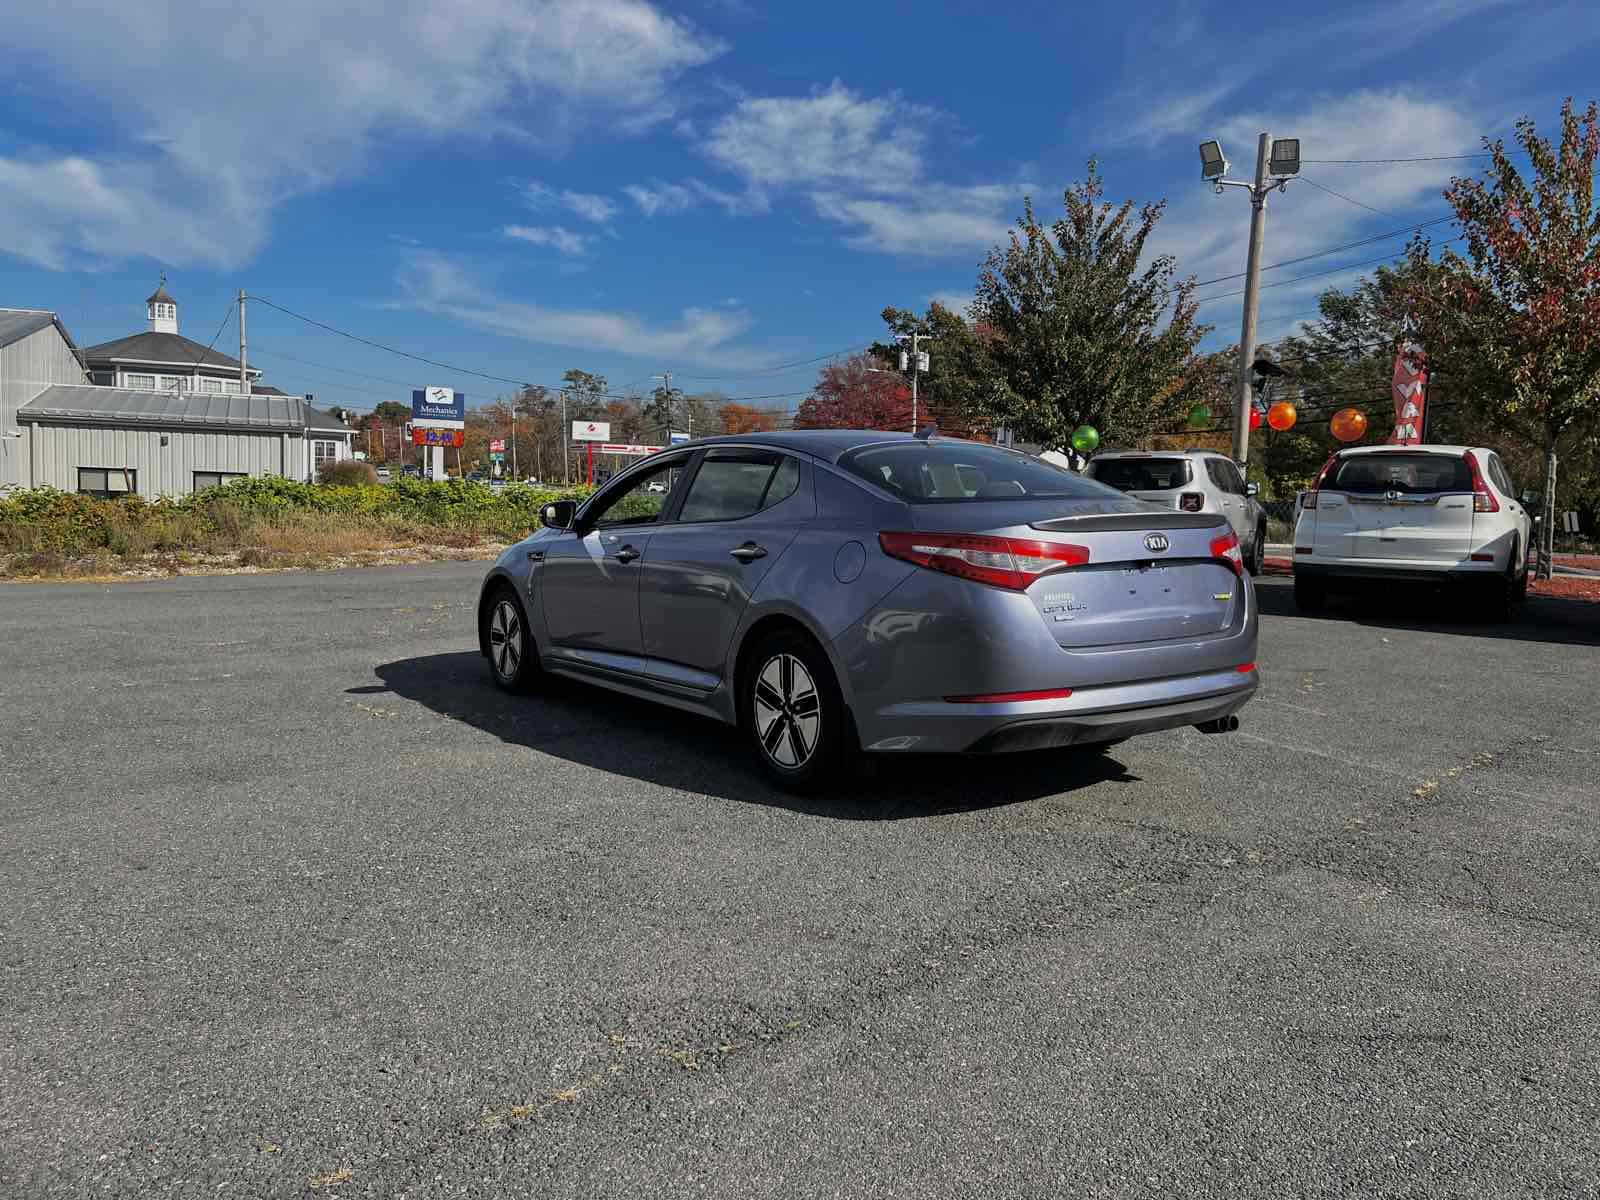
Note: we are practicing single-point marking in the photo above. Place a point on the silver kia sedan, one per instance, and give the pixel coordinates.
(838, 592)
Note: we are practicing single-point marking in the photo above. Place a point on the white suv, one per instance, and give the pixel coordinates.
(1190, 481)
(1427, 514)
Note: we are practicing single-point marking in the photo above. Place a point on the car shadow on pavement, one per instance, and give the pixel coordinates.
(1540, 619)
(593, 727)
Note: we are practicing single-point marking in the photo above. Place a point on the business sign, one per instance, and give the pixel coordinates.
(1569, 523)
(496, 444)
(591, 431)
(1410, 388)
(498, 456)
(423, 436)
(677, 438)
(438, 408)
(626, 449)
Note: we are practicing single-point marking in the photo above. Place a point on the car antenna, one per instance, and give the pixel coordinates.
(927, 431)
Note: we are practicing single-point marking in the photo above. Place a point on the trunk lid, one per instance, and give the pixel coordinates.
(1151, 575)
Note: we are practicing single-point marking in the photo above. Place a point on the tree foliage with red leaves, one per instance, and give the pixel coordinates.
(1524, 300)
(852, 395)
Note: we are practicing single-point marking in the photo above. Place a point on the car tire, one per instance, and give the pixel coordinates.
(791, 706)
(1258, 551)
(1519, 590)
(1309, 596)
(1499, 596)
(511, 653)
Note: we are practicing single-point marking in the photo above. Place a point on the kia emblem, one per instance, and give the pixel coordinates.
(1156, 543)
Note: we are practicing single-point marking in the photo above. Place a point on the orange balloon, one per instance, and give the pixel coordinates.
(1348, 424)
(1282, 416)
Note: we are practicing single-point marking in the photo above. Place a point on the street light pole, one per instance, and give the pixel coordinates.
(1276, 162)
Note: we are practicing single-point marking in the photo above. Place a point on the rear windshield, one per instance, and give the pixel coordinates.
(1412, 474)
(1142, 474)
(952, 472)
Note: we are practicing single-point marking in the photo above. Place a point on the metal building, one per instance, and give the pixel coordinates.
(64, 433)
(35, 352)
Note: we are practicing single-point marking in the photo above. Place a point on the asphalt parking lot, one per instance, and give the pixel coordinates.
(291, 901)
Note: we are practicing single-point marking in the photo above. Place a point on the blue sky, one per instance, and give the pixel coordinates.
(710, 187)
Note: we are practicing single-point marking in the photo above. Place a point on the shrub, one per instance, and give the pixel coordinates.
(349, 472)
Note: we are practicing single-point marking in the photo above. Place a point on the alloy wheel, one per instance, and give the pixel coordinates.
(505, 640)
(788, 711)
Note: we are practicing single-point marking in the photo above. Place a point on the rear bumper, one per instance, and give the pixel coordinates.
(1095, 714)
(1368, 571)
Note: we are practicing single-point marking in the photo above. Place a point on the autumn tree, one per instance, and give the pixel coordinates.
(1084, 331)
(854, 395)
(739, 418)
(1524, 300)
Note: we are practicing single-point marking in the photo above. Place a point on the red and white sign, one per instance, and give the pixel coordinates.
(1410, 393)
(591, 431)
(497, 443)
(627, 449)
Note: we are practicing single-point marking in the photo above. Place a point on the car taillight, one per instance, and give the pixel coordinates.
(1012, 563)
(1010, 697)
(1310, 498)
(1483, 500)
(1226, 548)
(1191, 501)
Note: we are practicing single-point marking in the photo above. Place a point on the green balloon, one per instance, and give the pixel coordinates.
(1199, 416)
(1085, 438)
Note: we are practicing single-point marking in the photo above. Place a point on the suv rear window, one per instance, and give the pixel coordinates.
(1142, 474)
(1413, 474)
(954, 472)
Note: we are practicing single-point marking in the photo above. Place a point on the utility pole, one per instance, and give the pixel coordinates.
(917, 355)
(1276, 162)
(514, 400)
(666, 377)
(244, 370)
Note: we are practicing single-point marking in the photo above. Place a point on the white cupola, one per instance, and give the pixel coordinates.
(162, 309)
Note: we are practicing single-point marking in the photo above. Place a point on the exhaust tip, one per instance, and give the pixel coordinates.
(1221, 725)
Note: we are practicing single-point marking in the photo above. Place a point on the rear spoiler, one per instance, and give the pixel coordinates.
(1102, 523)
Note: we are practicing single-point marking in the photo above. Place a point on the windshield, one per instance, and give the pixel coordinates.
(1412, 474)
(953, 472)
(1141, 474)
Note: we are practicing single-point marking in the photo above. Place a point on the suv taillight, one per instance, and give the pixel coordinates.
(1191, 501)
(1310, 499)
(1011, 563)
(1483, 500)
(1226, 548)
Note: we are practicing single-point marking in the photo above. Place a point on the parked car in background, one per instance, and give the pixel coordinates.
(1196, 481)
(1443, 515)
(834, 591)
(384, 474)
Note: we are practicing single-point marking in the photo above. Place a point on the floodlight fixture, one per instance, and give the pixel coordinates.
(1285, 157)
(1212, 163)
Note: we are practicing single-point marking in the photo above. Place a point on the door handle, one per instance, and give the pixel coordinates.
(748, 552)
(627, 554)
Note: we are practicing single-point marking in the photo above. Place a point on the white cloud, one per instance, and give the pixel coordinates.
(931, 221)
(434, 282)
(959, 303)
(598, 209)
(671, 198)
(832, 137)
(557, 237)
(297, 96)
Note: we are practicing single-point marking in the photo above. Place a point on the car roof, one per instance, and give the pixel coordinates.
(1428, 448)
(827, 444)
(1158, 453)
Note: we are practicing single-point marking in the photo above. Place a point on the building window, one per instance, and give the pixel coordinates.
(205, 479)
(107, 483)
(210, 385)
(231, 386)
(173, 383)
(143, 382)
(104, 378)
(323, 452)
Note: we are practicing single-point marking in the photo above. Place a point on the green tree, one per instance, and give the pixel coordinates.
(1524, 300)
(1082, 333)
(954, 392)
(392, 411)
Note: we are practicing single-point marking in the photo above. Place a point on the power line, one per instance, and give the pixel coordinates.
(1316, 274)
(1366, 241)
(1349, 199)
(1423, 158)
(775, 369)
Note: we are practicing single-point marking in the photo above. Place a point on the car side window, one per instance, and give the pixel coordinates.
(731, 485)
(642, 501)
(1217, 470)
(1502, 477)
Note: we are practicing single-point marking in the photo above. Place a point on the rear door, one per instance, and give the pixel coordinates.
(742, 508)
(1403, 505)
(1160, 479)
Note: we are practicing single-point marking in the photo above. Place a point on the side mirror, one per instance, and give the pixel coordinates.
(1252, 489)
(559, 514)
(1530, 498)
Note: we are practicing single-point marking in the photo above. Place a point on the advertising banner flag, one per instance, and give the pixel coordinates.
(1410, 391)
